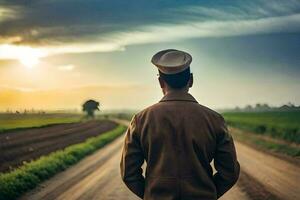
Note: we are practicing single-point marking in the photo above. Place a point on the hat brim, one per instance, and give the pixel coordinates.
(171, 69)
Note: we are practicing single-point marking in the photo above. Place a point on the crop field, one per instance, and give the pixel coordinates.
(281, 125)
(28, 176)
(25, 145)
(19, 121)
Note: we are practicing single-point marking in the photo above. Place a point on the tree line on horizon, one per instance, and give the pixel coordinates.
(90, 106)
(261, 107)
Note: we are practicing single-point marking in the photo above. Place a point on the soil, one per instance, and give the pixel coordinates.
(29, 144)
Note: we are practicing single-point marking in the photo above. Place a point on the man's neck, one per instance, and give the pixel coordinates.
(171, 90)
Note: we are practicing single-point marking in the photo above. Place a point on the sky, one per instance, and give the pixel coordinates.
(55, 54)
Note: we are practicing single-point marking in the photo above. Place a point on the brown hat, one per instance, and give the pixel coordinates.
(171, 61)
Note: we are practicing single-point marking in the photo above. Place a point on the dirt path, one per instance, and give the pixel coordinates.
(24, 145)
(98, 177)
(279, 177)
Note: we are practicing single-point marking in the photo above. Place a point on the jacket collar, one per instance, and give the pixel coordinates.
(178, 96)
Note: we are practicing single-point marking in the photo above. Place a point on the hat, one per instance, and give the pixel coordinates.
(171, 61)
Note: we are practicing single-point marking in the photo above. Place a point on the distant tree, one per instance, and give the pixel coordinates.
(291, 105)
(262, 107)
(258, 106)
(248, 108)
(266, 107)
(237, 109)
(90, 106)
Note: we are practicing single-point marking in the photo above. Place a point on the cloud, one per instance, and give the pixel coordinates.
(8, 51)
(212, 29)
(165, 33)
(279, 7)
(6, 13)
(102, 26)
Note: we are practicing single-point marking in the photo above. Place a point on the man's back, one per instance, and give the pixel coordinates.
(178, 138)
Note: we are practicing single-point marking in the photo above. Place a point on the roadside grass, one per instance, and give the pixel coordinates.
(283, 125)
(15, 183)
(266, 143)
(9, 122)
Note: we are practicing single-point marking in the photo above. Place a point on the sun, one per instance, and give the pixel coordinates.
(26, 55)
(29, 61)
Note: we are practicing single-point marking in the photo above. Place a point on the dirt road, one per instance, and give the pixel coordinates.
(279, 177)
(98, 177)
(24, 145)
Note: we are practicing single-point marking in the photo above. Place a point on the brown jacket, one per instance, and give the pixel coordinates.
(178, 138)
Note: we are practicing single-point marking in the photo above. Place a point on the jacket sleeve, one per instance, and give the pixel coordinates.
(132, 161)
(225, 161)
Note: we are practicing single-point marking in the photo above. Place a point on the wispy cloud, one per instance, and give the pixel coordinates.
(212, 29)
(8, 51)
(6, 13)
(87, 28)
(170, 32)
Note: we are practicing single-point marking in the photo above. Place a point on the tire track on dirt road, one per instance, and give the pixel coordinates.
(279, 177)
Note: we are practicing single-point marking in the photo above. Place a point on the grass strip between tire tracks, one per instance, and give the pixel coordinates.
(15, 183)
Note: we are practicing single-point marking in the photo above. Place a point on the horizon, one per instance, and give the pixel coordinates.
(78, 110)
(243, 53)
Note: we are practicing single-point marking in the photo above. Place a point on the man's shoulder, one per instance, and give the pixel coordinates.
(210, 111)
(159, 106)
(148, 109)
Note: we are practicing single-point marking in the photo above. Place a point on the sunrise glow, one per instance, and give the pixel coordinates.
(27, 56)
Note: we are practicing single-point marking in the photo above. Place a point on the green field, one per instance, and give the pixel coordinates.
(265, 143)
(17, 121)
(283, 125)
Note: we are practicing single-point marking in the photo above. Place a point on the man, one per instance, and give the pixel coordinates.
(178, 138)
